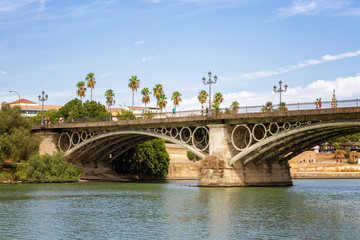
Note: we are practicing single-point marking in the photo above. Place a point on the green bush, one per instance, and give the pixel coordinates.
(191, 156)
(149, 158)
(48, 169)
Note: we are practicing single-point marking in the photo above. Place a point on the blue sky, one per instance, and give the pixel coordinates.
(311, 45)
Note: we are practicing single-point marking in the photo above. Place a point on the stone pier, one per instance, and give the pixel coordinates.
(215, 170)
(48, 142)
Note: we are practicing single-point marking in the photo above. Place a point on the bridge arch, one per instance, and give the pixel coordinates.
(288, 144)
(125, 139)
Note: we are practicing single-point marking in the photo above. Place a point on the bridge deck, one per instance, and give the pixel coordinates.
(298, 115)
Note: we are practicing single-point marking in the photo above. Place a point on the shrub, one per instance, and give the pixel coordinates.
(48, 169)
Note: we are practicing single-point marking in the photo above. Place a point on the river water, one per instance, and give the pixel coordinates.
(311, 209)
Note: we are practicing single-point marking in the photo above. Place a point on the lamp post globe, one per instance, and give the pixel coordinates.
(43, 97)
(280, 90)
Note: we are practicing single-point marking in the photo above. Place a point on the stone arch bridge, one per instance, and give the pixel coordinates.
(255, 147)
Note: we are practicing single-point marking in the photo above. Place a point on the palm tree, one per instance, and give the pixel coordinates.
(90, 82)
(146, 95)
(157, 91)
(110, 101)
(218, 99)
(134, 84)
(176, 98)
(234, 106)
(162, 101)
(81, 89)
(202, 97)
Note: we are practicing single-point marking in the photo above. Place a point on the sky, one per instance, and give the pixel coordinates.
(313, 46)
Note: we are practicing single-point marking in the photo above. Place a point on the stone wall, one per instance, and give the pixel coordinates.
(48, 142)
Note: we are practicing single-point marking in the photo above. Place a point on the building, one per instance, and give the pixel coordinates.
(31, 109)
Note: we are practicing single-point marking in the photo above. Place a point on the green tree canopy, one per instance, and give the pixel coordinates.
(76, 109)
(134, 84)
(90, 78)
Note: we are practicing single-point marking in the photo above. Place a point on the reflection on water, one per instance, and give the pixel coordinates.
(311, 209)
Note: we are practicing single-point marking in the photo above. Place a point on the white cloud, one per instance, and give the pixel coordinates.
(139, 42)
(144, 59)
(309, 7)
(2, 72)
(12, 5)
(302, 64)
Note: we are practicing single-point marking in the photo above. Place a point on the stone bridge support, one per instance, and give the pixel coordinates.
(48, 142)
(216, 171)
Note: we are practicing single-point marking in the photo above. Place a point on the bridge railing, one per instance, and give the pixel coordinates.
(199, 112)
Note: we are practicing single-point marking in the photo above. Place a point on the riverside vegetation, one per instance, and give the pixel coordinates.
(20, 161)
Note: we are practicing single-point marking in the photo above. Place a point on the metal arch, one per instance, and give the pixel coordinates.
(204, 138)
(136, 132)
(283, 134)
(72, 138)
(232, 137)
(277, 126)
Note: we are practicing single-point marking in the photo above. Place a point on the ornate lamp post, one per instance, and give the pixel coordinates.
(209, 82)
(280, 90)
(43, 98)
(17, 94)
(109, 104)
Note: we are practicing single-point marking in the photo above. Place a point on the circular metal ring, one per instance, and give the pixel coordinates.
(181, 133)
(247, 131)
(204, 138)
(297, 124)
(263, 132)
(171, 132)
(91, 134)
(59, 141)
(72, 138)
(271, 128)
(287, 126)
(84, 135)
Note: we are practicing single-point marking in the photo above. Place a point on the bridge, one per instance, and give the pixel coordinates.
(255, 147)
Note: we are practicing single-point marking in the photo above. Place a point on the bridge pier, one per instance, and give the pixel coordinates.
(216, 171)
(48, 142)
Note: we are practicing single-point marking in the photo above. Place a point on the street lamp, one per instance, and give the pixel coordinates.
(43, 98)
(280, 90)
(209, 82)
(110, 103)
(17, 94)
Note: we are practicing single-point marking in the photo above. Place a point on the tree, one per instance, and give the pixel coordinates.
(76, 109)
(81, 89)
(146, 95)
(234, 106)
(268, 107)
(202, 97)
(109, 95)
(157, 91)
(218, 99)
(134, 84)
(90, 82)
(176, 98)
(162, 101)
(16, 140)
(149, 158)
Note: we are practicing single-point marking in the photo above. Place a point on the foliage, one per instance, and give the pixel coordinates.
(234, 106)
(90, 82)
(149, 158)
(134, 84)
(218, 99)
(48, 169)
(176, 98)
(81, 89)
(52, 114)
(149, 115)
(282, 107)
(202, 97)
(76, 109)
(125, 115)
(268, 107)
(191, 156)
(162, 101)
(146, 95)
(16, 141)
(158, 91)
(109, 95)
